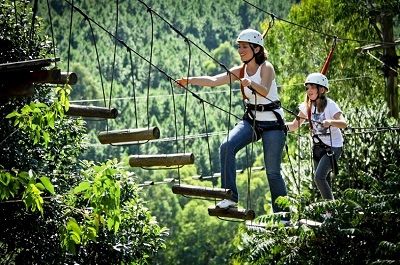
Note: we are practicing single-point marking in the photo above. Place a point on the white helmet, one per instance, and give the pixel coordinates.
(318, 79)
(252, 36)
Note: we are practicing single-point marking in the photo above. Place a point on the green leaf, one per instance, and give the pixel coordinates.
(40, 186)
(82, 187)
(12, 114)
(47, 183)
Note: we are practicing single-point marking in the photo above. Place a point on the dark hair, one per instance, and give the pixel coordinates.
(261, 56)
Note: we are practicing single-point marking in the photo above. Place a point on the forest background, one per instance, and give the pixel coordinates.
(144, 96)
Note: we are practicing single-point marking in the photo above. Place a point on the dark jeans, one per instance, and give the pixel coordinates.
(323, 167)
(273, 142)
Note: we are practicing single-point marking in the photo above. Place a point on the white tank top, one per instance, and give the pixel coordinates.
(256, 98)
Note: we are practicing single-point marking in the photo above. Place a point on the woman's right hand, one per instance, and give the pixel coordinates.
(183, 82)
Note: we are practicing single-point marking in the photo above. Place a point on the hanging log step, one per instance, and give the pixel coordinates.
(54, 76)
(92, 112)
(129, 135)
(232, 213)
(202, 191)
(166, 160)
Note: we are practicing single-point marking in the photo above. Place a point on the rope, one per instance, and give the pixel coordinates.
(176, 127)
(133, 89)
(97, 57)
(207, 138)
(34, 12)
(115, 52)
(143, 58)
(211, 92)
(186, 97)
(150, 64)
(70, 37)
(52, 32)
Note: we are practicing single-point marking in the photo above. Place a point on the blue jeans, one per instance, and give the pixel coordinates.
(323, 167)
(273, 142)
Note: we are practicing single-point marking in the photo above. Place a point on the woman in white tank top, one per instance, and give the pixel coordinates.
(263, 118)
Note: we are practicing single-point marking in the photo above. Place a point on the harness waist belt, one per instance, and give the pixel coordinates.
(264, 107)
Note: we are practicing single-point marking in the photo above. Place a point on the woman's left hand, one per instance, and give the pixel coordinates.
(327, 123)
(245, 82)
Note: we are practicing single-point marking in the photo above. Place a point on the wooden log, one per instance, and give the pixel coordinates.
(92, 112)
(69, 78)
(129, 135)
(166, 160)
(202, 191)
(54, 76)
(232, 213)
(29, 64)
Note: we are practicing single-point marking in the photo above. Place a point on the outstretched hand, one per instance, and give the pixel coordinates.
(183, 82)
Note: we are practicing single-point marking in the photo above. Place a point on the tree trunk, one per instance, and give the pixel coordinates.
(390, 68)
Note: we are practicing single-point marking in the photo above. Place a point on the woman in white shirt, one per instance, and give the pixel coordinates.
(263, 118)
(325, 121)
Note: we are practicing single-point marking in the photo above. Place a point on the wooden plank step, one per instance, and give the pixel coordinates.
(29, 64)
(92, 112)
(53, 77)
(129, 135)
(202, 191)
(166, 160)
(232, 213)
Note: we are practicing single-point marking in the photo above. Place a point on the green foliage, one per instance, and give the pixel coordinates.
(37, 117)
(28, 184)
(106, 204)
(40, 148)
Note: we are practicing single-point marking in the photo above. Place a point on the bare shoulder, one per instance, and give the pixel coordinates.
(267, 66)
(267, 69)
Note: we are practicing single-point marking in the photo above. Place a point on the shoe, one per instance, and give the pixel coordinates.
(225, 204)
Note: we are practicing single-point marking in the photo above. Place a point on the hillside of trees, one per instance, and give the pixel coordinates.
(127, 55)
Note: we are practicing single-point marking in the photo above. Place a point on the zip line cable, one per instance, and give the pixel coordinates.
(211, 92)
(313, 30)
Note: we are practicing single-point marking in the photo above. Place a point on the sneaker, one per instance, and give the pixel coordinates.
(225, 204)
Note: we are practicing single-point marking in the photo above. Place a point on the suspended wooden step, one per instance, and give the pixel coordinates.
(92, 112)
(199, 191)
(232, 213)
(54, 76)
(129, 135)
(166, 160)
